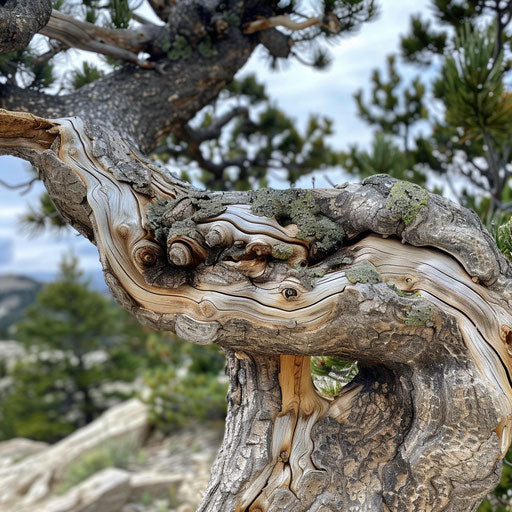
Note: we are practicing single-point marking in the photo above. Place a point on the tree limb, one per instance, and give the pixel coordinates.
(144, 105)
(121, 44)
(431, 326)
(331, 23)
(161, 8)
(213, 130)
(19, 21)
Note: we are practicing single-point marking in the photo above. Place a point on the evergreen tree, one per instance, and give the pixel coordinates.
(77, 340)
(458, 125)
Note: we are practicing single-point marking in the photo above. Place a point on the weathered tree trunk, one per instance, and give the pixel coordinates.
(386, 443)
(276, 276)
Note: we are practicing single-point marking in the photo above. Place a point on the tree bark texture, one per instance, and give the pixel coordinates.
(405, 282)
(19, 21)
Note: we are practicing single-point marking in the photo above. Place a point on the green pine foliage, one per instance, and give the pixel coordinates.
(331, 374)
(260, 141)
(188, 388)
(24, 66)
(383, 156)
(42, 216)
(88, 74)
(120, 13)
(80, 347)
(77, 341)
(503, 238)
(117, 454)
(458, 125)
(500, 501)
(422, 42)
(472, 87)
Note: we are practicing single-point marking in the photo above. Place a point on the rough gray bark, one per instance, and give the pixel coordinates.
(19, 21)
(277, 276)
(168, 95)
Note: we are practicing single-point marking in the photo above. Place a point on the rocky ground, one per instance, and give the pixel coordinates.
(115, 464)
(188, 455)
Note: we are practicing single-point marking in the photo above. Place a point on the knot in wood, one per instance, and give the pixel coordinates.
(145, 253)
(219, 235)
(213, 238)
(258, 248)
(179, 254)
(290, 293)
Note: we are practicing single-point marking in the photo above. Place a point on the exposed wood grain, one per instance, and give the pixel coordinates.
(425, 309)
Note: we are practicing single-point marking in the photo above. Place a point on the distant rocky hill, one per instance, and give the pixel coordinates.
(16, 294)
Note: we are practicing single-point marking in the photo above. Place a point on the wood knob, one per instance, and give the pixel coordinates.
(180, 254)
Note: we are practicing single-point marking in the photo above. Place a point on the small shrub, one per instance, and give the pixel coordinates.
(176, 401)
(503, 237)
(115, 455)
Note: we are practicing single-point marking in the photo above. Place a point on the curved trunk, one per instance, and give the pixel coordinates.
(285, 448)
(276, 276)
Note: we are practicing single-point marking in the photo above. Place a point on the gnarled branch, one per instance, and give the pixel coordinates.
(276, 276)
(118, 43)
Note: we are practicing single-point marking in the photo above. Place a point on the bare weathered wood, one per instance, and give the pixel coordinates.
(424, 304)
(117, 43)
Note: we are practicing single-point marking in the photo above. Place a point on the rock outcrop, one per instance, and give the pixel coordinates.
(16, 294)
(163, 473)
(31, 480)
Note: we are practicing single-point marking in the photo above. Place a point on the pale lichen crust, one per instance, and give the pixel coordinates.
(178, 217)
(405, 200)
(420, 314)
(299, 207)
(282, 251)
(364, 272)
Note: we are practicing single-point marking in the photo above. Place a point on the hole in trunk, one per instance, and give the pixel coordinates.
(331, 374)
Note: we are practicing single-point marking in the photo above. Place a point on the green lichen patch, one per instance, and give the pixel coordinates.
(207, 209)
(403, 293)
(206, 48)
(179, 48)
(307, 275)
(282, 251)
(405, 200)
(183, 228)
(231, 18)
(156, 212)
(420, 314)
(299, 207)
(178, 217)
(364, 272)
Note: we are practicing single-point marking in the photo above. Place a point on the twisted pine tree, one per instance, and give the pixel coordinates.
(457, 125)
(405, 282)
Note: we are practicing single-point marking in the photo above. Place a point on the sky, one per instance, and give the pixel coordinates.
(297, 89)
